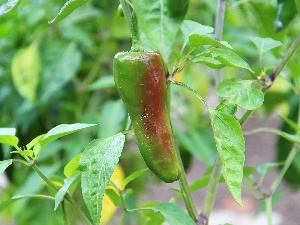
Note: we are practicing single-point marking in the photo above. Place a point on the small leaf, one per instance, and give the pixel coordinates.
(60, 131)
(198, 40)
(97, 163)
(189, 27)
(265, 44)
(72, 166)
(152, 217)
(61, 193)
(7, 136)
(227, 57)
(227, 107)
(4, 164)
(173, 214)
(25, 68)
(248, 171)
(159, 27)
(241, 92)
(15, 198)
(67, 9)
(133, 176)
(231, 148)
(34, 141)
(209, 61)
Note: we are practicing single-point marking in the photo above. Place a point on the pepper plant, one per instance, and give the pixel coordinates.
(151, 79)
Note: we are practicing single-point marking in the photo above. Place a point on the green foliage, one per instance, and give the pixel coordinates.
(55, 80)
(97, 164)
(231, 147)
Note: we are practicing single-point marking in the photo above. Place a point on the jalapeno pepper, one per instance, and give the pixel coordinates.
(141, 83)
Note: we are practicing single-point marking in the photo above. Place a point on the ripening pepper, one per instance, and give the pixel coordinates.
(141, 83)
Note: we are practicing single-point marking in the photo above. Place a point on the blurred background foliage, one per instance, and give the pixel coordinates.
(58, 73)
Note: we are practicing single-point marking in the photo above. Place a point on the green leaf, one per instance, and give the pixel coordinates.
(227, 57)
(241, 92)
(265, 44)
(152, 217)
(189, 27)
(62, 61)
(12, 4)
(34, 141)
(209, 61)
(25, 68)
(227, 107)
(114, 197)
(159, 27)
(248, 171)
(173, 214)
(60, 131)
(7, 136)
(101, 83)
(231, 148)
(15, 198)
(4, 164)
(67, 9)
(198, 40)
(133, 176)
(97, 164)
(62, 192)
(72, 166)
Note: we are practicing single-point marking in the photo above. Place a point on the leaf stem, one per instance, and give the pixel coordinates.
(67, 196)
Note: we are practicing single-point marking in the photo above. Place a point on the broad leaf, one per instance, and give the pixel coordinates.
(198, 40)
(61, 62)
(231, 148)
(159, 27)
(241, 92)
(265, 44)
(25, 68)
(4, 164)
(173, 214)
(227, 57)
(61, 193)
(189, 27)
(57, 132)
(7, 136)
(97, 163)
(67, 9)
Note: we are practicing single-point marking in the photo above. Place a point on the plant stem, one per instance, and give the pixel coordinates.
(270, 79)
(217, 168)
(212, 190)
(268, 202)
(186, 192)
(67, 196)
(63, 208)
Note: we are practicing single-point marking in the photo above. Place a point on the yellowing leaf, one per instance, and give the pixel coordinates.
(108, 207)
(25, 71)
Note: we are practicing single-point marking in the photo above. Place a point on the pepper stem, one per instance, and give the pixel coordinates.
(132, 22)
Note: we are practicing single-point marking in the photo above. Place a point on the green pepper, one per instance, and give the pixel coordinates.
(141, 83)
